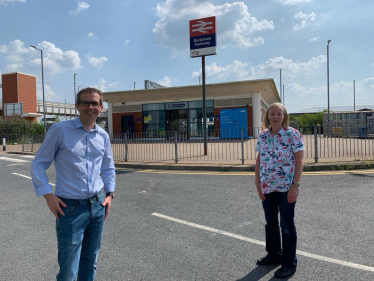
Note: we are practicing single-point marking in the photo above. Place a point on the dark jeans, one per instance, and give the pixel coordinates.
(277, 202)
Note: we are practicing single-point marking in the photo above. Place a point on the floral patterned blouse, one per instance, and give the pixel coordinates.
(277, 160)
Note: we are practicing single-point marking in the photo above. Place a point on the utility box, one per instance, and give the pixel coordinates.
(232, 122)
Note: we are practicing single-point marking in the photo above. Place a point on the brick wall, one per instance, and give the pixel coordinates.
(9, 88)
(27, 92)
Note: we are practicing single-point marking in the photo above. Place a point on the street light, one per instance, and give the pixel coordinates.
(354, 95)
(41, 56)
(328, 85)
(75, 95)
(66, 117)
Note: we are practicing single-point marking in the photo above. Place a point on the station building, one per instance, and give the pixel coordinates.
(228, 106)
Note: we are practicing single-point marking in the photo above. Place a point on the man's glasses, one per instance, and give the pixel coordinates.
(94, 104)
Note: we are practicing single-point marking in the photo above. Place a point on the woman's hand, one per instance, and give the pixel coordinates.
(292, 194)
(259, 191)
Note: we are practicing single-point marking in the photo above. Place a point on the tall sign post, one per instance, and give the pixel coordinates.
(203, 43)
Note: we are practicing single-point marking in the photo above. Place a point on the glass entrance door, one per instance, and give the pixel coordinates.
(177, 121)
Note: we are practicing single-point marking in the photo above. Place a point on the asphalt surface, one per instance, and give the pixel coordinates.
(170, 225)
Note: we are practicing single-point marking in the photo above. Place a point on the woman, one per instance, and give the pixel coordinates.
(279, 165)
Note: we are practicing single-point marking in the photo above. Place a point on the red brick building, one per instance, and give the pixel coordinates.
(20, 88)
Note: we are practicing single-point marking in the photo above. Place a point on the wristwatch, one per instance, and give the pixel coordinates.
(296, 184)
(110, 194)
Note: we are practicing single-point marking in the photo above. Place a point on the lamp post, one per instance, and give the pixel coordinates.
(280, 84)
(354, 95)
(78, 88)
(328, 85)
(41, 56)
(66, 117)
(75, 95)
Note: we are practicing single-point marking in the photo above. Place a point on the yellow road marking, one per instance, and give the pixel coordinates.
(317, 173)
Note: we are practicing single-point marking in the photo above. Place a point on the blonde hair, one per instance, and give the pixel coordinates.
(265, 119)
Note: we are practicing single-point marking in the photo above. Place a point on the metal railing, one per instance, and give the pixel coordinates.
(239, 145)
(234, 146)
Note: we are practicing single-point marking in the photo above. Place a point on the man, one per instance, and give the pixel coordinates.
(83, 160)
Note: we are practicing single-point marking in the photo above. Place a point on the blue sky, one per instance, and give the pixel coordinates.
(112, 44)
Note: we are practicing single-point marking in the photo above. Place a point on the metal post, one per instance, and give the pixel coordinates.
(24, 136)
(126, 147)
(354, 95)
(315, 145)
(242, 143)
(4, 144)
(280, 83)
(204, 107)
(176, 146)
(328, 89)
(41, 56)
(75, 95)
(283, 96)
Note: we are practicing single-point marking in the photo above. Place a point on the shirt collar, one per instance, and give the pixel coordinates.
(280, 133)
(78, 124)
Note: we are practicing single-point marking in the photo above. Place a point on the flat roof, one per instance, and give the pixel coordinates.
(266, 87)
(17, 73)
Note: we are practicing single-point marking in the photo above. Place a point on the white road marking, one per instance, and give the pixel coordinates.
(13, 160)
(258, 242)
(27, 156)
(14, 165)
(27, 177)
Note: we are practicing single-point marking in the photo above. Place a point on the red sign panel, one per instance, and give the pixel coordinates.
(204, 26)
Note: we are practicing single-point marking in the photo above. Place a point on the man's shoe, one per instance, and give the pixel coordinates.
(284, 272)
(268, 261)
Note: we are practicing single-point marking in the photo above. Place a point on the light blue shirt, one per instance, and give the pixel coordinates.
(83, 161)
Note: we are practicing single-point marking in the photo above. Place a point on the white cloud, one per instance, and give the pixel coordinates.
(54, 59)
(341, 93)
(307, 68)
(103, 85)
(304, 20)
(238, 70)
(90, 34)
(13, 67)
(235, 25)
(195, 74)
(313, 39)
(166, 81)
(292, 2)
(6, 2)
(49, 95)
(16, 47)
(96, 62)
(81, 6)
(127, 41)
(372, 64)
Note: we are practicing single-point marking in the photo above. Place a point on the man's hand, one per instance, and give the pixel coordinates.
(54, 204)
(107, 202)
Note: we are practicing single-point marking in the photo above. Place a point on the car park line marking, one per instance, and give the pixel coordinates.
(14, 165)
(317, 173)
(27, 177)
(27, 156)
(14, 160)
(261, 243)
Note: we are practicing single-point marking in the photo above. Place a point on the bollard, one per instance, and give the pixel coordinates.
(4, 144)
